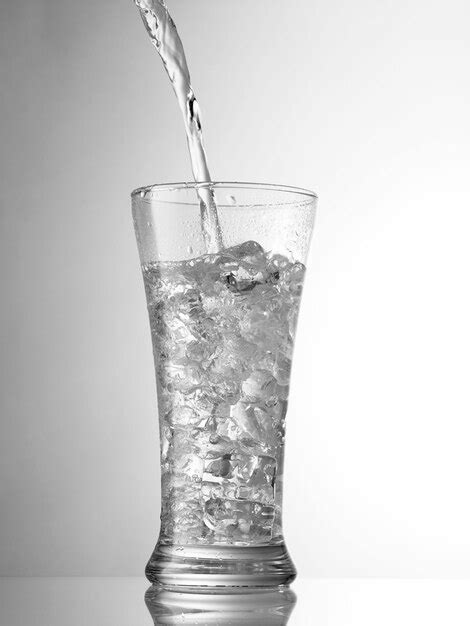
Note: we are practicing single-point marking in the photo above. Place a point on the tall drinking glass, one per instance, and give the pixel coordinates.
(223, 328)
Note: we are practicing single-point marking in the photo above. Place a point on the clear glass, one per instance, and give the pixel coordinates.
(223, 328)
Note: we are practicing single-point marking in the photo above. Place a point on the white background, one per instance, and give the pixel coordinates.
(365, 102)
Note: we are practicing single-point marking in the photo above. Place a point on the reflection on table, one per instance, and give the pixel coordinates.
(255, 608)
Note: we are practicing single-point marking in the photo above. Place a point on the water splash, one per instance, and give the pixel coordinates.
(164, 36)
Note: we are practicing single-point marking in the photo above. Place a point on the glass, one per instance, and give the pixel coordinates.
(223, 328)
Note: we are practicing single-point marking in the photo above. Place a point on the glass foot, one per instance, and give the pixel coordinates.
(213, 568)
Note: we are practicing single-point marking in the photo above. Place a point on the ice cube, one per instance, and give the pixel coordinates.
(222, 489)
(282, 369)
(220, 467)
(181, 416)
(190, 465)
(240, 280)
(260, 386)
(239, 517)
(227, 393)
(248, 248)
(256, 476)
(293, 277)
(198, 351)
(252, 476)
(245, 422)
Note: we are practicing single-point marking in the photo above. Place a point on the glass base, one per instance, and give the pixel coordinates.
(214, 568)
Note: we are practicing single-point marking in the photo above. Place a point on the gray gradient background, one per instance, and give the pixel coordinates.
(367, 103)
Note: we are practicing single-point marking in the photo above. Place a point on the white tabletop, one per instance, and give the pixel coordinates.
(351, 602)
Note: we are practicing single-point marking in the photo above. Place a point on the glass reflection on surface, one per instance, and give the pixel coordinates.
(270, 607)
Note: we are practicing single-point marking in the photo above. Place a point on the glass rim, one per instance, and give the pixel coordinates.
(299, 191)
